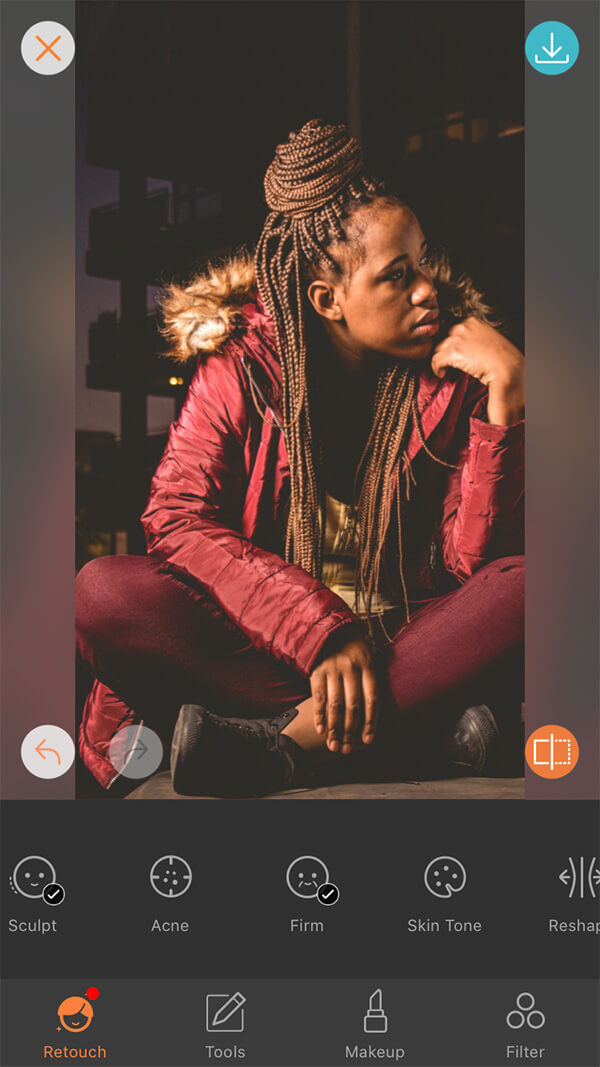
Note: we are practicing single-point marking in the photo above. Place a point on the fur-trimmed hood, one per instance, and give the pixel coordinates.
(200, 318)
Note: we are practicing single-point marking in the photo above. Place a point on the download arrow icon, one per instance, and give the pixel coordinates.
(552, 51)
(551, 47)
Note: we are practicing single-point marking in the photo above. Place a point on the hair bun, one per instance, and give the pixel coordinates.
(311, 168)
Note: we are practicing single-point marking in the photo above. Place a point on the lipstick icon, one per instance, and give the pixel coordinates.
(375, 1021)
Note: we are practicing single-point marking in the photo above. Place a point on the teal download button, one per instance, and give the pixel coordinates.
(552, 47)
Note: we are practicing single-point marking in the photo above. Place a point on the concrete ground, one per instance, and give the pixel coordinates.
(159, 788)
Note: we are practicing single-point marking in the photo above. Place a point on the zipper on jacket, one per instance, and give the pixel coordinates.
(433, 558)
(254, 385)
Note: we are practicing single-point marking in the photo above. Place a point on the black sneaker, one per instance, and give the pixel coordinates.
(485, 746)
(213, 756)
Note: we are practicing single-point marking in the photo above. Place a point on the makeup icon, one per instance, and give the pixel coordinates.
(375, 1021)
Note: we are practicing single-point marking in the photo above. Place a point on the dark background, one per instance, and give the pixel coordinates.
(182, 105)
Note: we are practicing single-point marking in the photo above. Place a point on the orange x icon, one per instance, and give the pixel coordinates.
(47, 47)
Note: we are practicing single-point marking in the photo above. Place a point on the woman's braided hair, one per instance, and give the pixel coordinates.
(313, 187)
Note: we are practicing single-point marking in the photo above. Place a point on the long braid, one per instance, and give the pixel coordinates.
(379, 471)
(312, 187)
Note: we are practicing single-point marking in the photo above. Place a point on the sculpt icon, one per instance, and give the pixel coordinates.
(31, 876)
(444, 876)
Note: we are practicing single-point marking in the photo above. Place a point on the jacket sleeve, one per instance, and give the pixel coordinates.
(482, 513)
(193, 517)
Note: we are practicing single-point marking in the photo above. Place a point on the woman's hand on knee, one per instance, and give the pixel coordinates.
(345, 697)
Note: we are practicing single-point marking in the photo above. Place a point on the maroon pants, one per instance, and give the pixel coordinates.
(157, 643)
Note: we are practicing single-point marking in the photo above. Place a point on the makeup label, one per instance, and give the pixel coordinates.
(375, 1053)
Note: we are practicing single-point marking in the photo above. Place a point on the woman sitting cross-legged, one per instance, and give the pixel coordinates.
(334, 577)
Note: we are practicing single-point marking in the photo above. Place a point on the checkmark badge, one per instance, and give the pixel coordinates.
(328, 894)
(53, 894)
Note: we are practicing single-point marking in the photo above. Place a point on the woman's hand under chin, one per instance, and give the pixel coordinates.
(476, 348)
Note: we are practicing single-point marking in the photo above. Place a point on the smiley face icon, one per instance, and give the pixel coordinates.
(31, 876)
(75, 1014)
(444, 876)
(304, 876)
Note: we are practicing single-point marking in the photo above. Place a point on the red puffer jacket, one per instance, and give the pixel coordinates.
(218, 503)
(218, 498)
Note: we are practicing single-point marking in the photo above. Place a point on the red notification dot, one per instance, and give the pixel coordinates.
(92, 993)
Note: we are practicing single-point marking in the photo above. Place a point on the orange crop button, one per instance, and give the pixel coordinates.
(552, 751)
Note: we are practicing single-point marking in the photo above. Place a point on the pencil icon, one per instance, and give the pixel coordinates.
(228, 1006)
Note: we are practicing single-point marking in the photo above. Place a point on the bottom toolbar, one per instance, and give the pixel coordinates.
(301, 1023)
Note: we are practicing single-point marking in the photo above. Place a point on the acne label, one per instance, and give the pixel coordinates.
(170, 926)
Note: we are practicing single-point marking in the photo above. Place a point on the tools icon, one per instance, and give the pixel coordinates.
(582, 876)
(225, 1013)
(526, 1014)
(375, 1021)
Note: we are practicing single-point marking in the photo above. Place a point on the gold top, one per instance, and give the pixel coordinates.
(340, 556)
